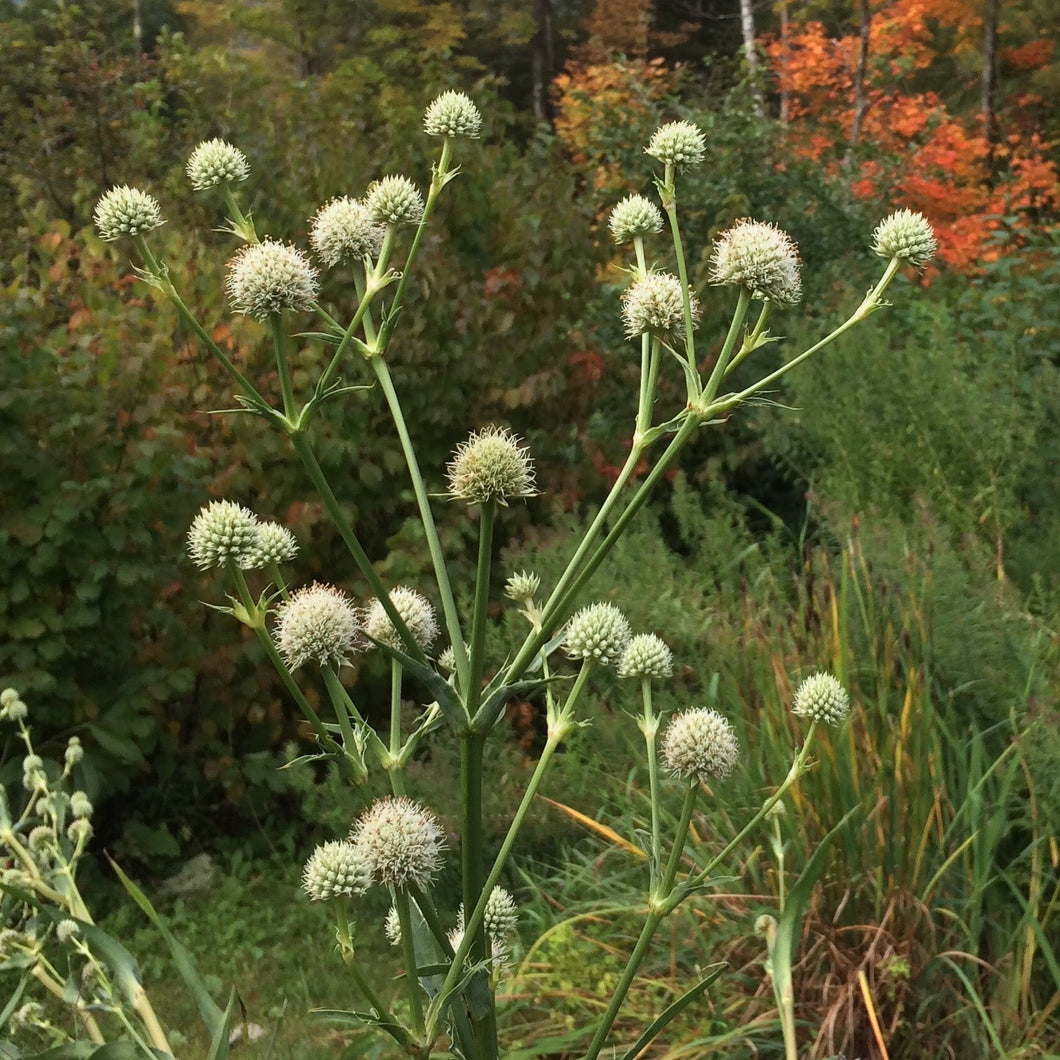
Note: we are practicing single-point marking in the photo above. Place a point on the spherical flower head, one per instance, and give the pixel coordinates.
(75, 753)
(452, 114)
(33, 776)
(269, 277)
(67, 931)
(400, 842)
(491, 465)
(12, 706)
(634, 216)
(599, 632)
(907, 235)
(522, 586)
(80, 831)
(125, 211)
(393, 201)
(272, 544)
(822, 698)
(700, 743)
(415, 611)
(760, 257)
(41, 838)
(216, 162)
(332, 869)
(646, 655)
(222, 533)
(80, 804)
(343, 230)
(678, 143)
(318, 623)
(654, 304)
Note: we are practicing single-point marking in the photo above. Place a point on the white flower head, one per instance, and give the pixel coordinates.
(698, 744)
(760, 257)
(334, 869)
(125, 211)
(654, 304)
(822, 698)
(907, 235)
(452, 114)
(222, 533)
(216, 162)
(343, 230)
(492, 464)
(634, 216)
(599, 632)
(678, 143)
(646, 655)
(394, 200)
(399, 842)
(272, 544)
(269, 277)
(318, 623)
(415, 611)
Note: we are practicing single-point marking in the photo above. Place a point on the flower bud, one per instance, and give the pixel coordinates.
(400, 842)
(415, 611)
(272, 544)
(40, 838)
(599, 632)
(318, 623)
(269, 277)
(522, 586)
(760, 257)
(343, 230)
(501, 915)
(125, 211)
(392, 926)
(822, 698)
(678, 143)
(698, 744)
(80, 804)
(634, 216)
(907, 235)
(67, 930)
(216, 162)
(452, 114)
(646, 655)
(223, 532)
(491, 465)
(332, 869)
(394, 200)
(12, 706)
(654, 304)
(80, 831)
(75, 753)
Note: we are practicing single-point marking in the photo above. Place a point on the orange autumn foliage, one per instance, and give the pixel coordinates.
(911, 150)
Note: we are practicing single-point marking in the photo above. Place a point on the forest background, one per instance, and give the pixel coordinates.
(897, 519)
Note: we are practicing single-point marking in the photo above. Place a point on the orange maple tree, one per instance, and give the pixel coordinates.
(905, 145)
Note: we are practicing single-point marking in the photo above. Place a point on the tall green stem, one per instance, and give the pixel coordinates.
(668, 194)
(279, 343)
(487, 517)
(396, 769)
(721, 367)
(649, 725)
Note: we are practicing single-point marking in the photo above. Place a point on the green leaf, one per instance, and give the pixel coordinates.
(219, 1042)
(119, 746)
(447, 699)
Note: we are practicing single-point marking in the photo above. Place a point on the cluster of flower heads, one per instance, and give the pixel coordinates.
(227, 534)
(395, 843)
(492, 465)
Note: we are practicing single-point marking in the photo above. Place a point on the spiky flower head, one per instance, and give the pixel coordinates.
(318, 623)
(907, 235)
(760, 257)
(125, 211)
(272, 544)
(80, 804)
(332, 869)
(80, 831)
(492, 465)
(654, 304)
(40, 838)
(75, 752)
(599, 632)
(392, 926)
(452, 114)
(646, 655)
(67, 930)
(522, 586)
(501, 915)
(822, 698)
(678, 143)
(400, 842)
(12, 705)
(415, 611)
(222, 533)
(447, 660)
(699, 743)
(343, 230)
(269, 277)
(634, 216)
(394, 200)
(216, 162)
(33, 776)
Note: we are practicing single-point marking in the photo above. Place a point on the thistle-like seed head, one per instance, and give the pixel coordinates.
(646, 655)
(452, 114)
(269, 277)
(332, 869)
(318, 623)
(223, 532)
(343, 230)
(822, 698)
(599, 632)
(216, 162)
(654, 304)
(415, 611)
(400, 842)
(678, 143)
(907, 235)
(491, 465)
(522, 586)
(760, 257)
(272, 544)
(634, 216)
(125, 211)
(698, 744)
(393, 201)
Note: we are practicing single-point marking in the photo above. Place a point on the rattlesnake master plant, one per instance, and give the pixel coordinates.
(450, 954)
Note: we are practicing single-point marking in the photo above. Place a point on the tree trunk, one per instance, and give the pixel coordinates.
(986, 84)
(861, 104)
(754, 67)
(542, 61)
